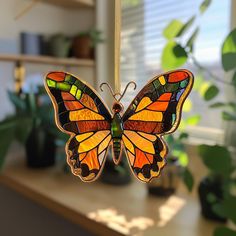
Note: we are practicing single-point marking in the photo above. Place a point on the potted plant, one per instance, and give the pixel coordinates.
(59, 45)
(84, 43)
(32, 124)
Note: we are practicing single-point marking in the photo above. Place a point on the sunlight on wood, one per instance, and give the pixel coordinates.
(119, 222)
(169, 209)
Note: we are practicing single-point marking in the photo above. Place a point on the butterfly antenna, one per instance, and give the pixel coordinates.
(109, 88)
(126, 87)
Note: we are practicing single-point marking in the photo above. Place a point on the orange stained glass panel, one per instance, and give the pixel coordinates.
(104, 144)
(177, 76)
(143, 103)
(84, 114)
(67, 96)
(93, 141)
(158, 106)
(140, 159)
(57, 76)
(91, 159)
(165, 97)
(88, 102)
(73, 105)
(128, 144)
(149, 157)
(150, 137)
(82, 156)
(139, 141)
(146, 115)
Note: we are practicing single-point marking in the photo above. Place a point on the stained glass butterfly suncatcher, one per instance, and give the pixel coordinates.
(154, 112)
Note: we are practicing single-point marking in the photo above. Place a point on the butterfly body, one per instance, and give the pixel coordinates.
(116, 134)
(154, 112)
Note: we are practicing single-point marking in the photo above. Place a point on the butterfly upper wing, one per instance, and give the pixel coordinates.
(80, 112)
(155, 111)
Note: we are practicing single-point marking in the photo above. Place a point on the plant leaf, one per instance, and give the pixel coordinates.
(183, 135)
(228, 52)
(216, 158)
(192, 39)
(224, 231)
(234, 80)
(211, 92)
(198, 82)
(228, 116)
(6, 137)
(173, 56)
(172, 29)
(218, 105)
(181, 155)
(188, 179)
(229, 207)
(17, 101)
(193, 120)
(204, 5)
(186, 26)
(23, 128)
(187, 107)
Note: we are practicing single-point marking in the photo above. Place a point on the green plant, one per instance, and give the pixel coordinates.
(31, 113)
(94, 35)
(221, 165)
(178, 50)
(178, 151)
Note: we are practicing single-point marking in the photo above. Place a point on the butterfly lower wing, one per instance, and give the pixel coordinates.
(80, 112)
(145, 154)
(86, 153)
(156, 110)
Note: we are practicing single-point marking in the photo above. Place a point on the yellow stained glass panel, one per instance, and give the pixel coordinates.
(104, 144)
(128, 144)
(81, 137)
(143, 103)
(150, 137)
(142, 143)
(93, 141)
(146, 115)
(162, 80)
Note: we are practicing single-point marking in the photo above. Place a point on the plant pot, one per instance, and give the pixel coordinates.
(168, 181)
(81, 47)
(40, 149)
(116, 174)
(207, 187)
(59, 46)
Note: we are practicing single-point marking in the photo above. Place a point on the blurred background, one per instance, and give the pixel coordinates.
(195, 194)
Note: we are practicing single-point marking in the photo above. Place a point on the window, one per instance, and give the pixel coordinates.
(142, 42)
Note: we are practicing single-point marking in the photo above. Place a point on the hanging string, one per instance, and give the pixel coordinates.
(117, 45)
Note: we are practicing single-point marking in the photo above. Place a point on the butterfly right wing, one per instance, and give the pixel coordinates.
(154, 112)
(80, 112)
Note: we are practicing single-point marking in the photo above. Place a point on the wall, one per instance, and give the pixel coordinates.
(43, 18)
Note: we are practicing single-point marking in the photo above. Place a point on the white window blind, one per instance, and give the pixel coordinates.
(142, 43)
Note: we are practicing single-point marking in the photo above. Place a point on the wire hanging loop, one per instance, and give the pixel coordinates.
(114, 95)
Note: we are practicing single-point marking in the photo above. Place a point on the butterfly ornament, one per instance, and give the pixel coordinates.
(154, 112)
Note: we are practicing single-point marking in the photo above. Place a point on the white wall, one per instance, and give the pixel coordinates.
(105, 52)
(45, 19)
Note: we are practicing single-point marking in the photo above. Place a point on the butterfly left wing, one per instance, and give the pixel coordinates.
(154, 112)
(81, 113)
